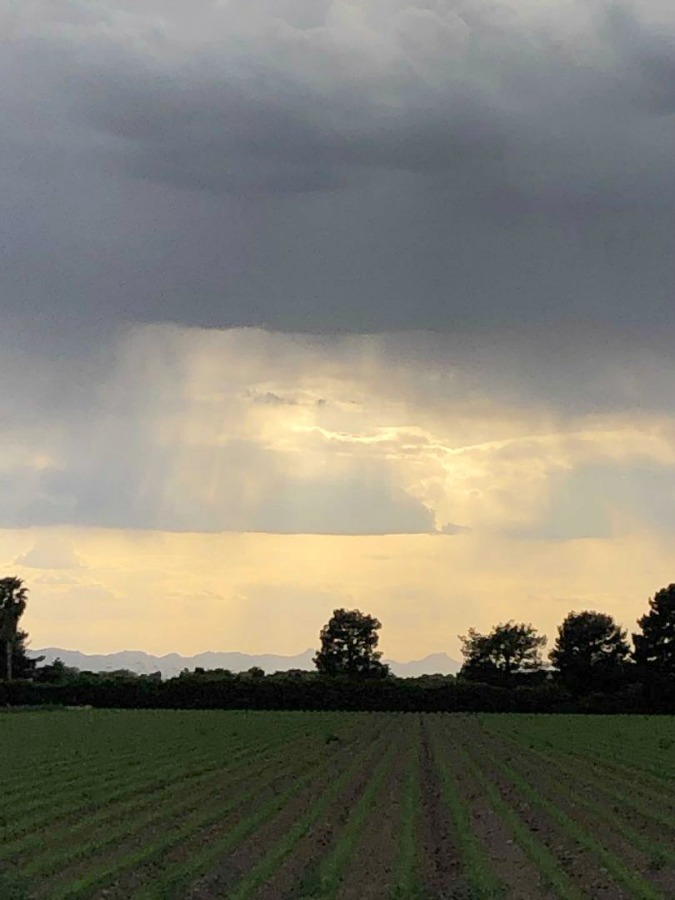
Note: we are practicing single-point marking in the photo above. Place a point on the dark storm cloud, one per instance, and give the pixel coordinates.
(570, 371)
(334, 166)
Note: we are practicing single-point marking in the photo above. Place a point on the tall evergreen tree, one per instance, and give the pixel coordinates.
(655, 644)
(23, 666)
(13, 597)
(590, 651)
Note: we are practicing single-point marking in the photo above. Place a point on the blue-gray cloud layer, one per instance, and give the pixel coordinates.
(329, 166)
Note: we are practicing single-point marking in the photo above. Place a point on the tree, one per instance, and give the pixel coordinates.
(124, 674)
(23, 666)
(348, 645)
(510, 649)
(12, 606)
(590, 651)
(56, 672)
(255, 672)
(655, 646)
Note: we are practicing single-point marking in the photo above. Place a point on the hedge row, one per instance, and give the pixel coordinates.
(403, 695)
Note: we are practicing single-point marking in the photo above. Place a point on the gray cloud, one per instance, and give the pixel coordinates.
(269, 398)
(323, 167)
(362, 504)
(604, 500)
(195, 430)
(149, 444)
(452, 528)
(107, 493)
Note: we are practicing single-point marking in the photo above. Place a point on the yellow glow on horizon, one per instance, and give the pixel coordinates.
(261, 593)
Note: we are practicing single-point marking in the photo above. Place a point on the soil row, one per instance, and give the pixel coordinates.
(402, 807)
(607, 849)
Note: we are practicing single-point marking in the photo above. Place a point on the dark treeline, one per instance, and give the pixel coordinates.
(311, 691)
(590, 668)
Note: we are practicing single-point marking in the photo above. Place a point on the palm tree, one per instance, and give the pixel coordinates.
(12, 606)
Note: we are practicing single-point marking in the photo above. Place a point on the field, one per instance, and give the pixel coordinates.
(195, 805)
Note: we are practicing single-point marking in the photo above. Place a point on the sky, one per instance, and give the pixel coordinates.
(318, 303)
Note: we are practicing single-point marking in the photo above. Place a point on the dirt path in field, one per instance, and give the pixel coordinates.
(293, 879)
(313, 845)
(582, 866)
(440, 860)
(508, 861)
(371, 870)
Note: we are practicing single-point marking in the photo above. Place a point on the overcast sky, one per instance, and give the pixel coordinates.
(309, 303)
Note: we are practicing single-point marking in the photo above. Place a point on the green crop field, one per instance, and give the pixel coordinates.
(162, 804)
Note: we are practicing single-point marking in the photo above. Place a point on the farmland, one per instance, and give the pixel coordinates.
(236, 804)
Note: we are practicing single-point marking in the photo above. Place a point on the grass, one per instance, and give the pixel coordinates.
(331, 866)
(631, 744)
(483, 883)
(406, 881)
(638, 887)
(13, 888)
(131, 798)
(185, 802)
(207, 814)
(148, 803)
(552, 873)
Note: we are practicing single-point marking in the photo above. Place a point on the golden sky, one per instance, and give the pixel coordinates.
(226, 490)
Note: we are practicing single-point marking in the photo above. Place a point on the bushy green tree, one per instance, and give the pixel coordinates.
(510, 649)
(348, 646)
(590, 651)
(655, 643)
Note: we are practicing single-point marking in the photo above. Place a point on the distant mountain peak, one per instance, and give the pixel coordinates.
(171, 664)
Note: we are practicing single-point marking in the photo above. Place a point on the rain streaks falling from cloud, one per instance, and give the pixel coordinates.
(385, 271)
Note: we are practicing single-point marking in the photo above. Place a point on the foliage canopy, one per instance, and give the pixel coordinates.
(590, 651)
(348, 646)
(510, 649)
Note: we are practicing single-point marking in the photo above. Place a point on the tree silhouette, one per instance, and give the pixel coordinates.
(509, 649)
(56, 672)
(655, 645)
(12, 605)
(590, 651)
(348, 646)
